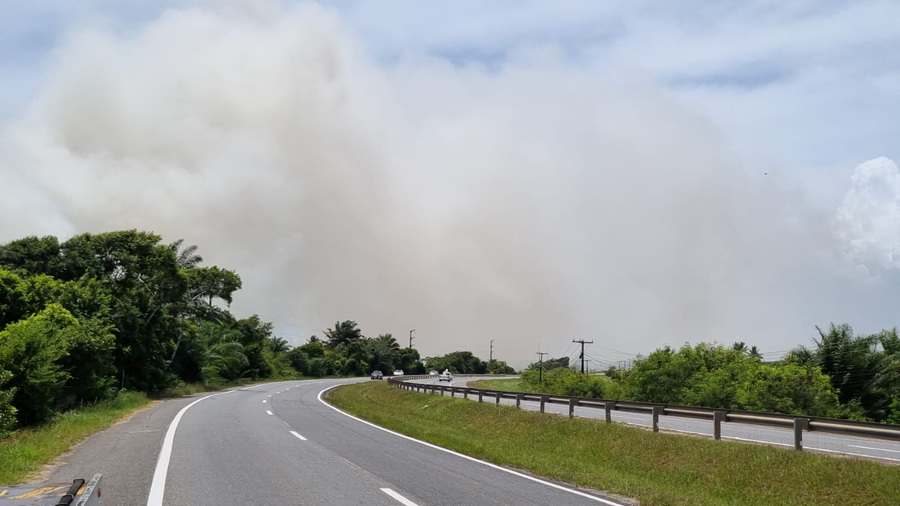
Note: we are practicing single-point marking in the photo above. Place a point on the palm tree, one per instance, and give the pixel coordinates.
(278, 345)
(186, 258)
(342, 335)
(388, 342)
(754, 352)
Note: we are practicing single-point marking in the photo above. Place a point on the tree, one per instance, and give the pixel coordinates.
(342, 335)
(206, 284)
(186, 258)
(278, 345)
(791, 389)
(30, 350)
(31, 255)
(299, 361)
(858, 371)
(7, 410)
(14, 304)
(552, 363)
(313, 349)
(458, 362)
(147, 295)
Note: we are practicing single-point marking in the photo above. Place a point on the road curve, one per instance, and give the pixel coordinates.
(277, 443)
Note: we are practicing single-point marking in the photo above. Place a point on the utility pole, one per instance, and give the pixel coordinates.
(583, 342)
(541, 365)
(491, 359)
(411, 337)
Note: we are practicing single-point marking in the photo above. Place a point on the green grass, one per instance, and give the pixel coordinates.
(655, 468)
(28, 450)
(517, 385)
(510, 385)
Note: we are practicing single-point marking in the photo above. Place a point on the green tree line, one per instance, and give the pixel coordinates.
(84, 318)
(842, 376)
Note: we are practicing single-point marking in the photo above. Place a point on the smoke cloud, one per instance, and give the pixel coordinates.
(532, 203)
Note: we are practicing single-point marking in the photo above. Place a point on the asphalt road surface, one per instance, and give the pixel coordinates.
(880, 449)
(280, 444)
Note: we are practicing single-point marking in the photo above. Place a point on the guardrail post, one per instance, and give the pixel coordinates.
(442, 391)
(452, 391)
(657, 410)
(608, 407)
(518, 401)
(465, 393)
(498, 397)
(800, 424)
(718, 418)
(572, 404)
(480, 395)
(543, 401)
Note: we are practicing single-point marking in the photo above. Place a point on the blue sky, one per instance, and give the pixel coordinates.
(544, 162)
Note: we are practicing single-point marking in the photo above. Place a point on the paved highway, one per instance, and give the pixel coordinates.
(848, 445)
(278, 443)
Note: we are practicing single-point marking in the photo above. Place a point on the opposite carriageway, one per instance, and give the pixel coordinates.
(881, 441)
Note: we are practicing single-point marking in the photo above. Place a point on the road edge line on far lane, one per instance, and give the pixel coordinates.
(158, 485)
(467, 457)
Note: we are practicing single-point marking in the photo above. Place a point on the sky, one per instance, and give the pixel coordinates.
(636, 174)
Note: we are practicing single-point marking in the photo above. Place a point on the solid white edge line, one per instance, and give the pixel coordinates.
(298, 436)
(873, 448)
(467, 457)
(402, 500)
(269, 412)
(850, 453)
(158, 485)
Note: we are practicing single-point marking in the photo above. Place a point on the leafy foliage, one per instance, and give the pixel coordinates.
(82, 318)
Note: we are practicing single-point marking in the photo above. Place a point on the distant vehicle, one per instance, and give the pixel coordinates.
(377, 375)
(446, 376)
(398, 372)
(433, 373)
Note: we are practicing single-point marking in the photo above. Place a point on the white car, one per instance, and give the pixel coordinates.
(433, 373)
(398, 372)
(448, 377)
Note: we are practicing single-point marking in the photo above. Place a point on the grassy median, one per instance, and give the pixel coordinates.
(510, 385)
(653, 468)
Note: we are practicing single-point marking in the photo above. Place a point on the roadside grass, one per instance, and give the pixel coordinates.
(517, 385)
(25, 452)
(655, 468)
(510, 385)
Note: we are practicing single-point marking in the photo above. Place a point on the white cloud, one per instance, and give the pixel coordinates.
(868, 221)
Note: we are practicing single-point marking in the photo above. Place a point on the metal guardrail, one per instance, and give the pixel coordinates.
(717, 416)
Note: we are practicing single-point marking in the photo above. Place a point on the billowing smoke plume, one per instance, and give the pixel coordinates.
(531, 203)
